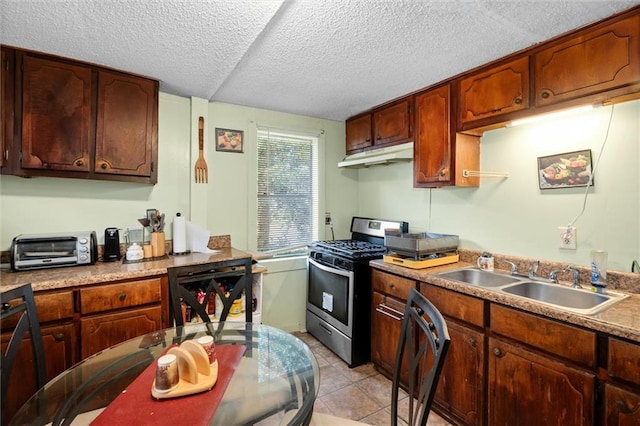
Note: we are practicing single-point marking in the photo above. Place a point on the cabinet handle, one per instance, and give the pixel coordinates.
(497, 352)
(378, 137)
(122, 297)
(518, 100)
(79, 163)
(387, 311)
(6, 306)
(472, 341)
(545, 95)
(624, 408)
(103, 166)
(59, 337)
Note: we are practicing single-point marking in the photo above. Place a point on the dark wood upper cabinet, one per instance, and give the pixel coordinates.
(6, 107)
(56, 115)
(393, 124)
(593, 61)
(358, 131)
(494, 92)
(125, 125)
(433, 144)
(77, 120)
(388, 125)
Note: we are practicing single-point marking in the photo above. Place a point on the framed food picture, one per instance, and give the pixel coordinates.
(566, 170)
(229, 140)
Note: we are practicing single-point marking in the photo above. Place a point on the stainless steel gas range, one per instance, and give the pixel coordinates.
(339, 288)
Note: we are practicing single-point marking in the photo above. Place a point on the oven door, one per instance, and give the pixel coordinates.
(330, 295)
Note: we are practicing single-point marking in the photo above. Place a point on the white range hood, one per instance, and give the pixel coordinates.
(392, 154)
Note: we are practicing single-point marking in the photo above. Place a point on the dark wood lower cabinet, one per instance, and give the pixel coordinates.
(387, 321)
(102, 331)
(529, 390)
(59, 346)
(622, 407)
(460, 391)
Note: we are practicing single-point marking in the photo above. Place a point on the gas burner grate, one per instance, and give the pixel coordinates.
(350, 248)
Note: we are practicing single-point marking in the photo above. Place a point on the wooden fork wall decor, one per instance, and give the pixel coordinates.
(201, 171)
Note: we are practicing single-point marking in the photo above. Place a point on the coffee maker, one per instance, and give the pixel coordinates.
(111, 245)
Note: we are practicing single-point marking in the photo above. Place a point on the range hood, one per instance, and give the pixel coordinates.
(392, 154)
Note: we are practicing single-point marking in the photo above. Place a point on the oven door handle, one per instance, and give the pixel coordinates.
(390, 312)
(348, 274)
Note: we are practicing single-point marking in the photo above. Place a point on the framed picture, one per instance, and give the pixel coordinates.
(229, 140)
(565, 170)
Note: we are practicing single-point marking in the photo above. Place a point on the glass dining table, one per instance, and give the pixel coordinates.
(274, 381)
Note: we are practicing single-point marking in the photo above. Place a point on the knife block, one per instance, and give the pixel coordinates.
(157, 244)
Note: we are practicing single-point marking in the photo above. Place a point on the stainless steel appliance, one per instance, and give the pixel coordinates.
(339, 288)
(38, 251)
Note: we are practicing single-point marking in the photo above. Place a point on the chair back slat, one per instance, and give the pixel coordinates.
(27, 326)
(423, 345)
(209, 277)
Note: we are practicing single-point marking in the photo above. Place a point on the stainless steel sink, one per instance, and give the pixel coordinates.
(479, 277)
(576, 300)
(573, 299)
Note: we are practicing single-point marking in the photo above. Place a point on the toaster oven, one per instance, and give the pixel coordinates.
(38, 251)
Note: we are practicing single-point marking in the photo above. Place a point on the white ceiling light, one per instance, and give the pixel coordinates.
(552, 115)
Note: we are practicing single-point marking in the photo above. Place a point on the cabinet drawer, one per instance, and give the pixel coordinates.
(392, 284)
(624, 360)
(544, 334)
(456, 305)
(115, 296)
(50, 307)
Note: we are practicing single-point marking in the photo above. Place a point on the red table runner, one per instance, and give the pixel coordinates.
(135, 404)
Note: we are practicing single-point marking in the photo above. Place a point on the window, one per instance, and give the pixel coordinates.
(287, 190)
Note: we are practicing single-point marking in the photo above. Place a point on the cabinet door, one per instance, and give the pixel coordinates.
(528, 390)
(56, 115)
(432, 145)
(494, 92)
(622, 407)
(101, 331)
(7, 108)
(59, 345)
(393, 124)
(592, 62)
(358, 131)
(125, 139)
(386, 326)
(461, 388)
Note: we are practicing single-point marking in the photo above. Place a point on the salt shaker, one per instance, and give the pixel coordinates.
(209, 348)
(167, 376)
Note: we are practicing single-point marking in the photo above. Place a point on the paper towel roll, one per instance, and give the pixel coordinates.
(179, 234)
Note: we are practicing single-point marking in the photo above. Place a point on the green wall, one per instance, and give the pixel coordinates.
(513, 216)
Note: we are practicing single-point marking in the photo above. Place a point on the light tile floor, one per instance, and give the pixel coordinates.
(359, 393)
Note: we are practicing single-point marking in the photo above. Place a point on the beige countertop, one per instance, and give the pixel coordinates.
(622, 319)
(101, 272)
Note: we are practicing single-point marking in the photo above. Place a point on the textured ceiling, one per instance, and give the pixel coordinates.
(327, 59)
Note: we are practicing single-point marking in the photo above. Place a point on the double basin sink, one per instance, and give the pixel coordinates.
(576, 300)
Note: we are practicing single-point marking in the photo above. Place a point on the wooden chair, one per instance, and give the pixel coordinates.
(27, 326)
(421, 353)
(210, 279)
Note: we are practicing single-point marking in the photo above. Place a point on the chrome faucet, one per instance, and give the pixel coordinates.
(533, 269)
(553, 275)
(514, 268)
(576, 276)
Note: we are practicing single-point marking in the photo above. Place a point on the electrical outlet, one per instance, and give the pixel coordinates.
(327, 218)
(568, 237)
